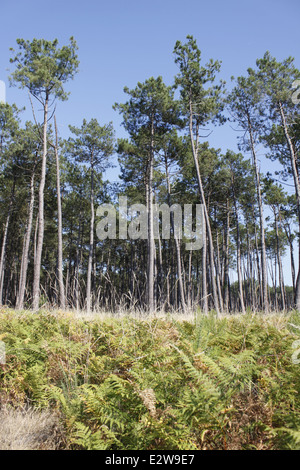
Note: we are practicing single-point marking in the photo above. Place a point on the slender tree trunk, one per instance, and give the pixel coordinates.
(177, 242)
(226, 261)
(78, 257)
(218, 270)
(131, 281)
(90, 260)
(249, 270)
(287, 230)
(189, 286)
(41, 222)
(280, 273)
(158, 268)
(272, 277)
(26, 244)
(238, 256)
(204, 275)
(62, 301)
(150, 271)
(206, 217)
(258, 264)
(275, 271)
(293, 158)
(264, 274)
(4, 241)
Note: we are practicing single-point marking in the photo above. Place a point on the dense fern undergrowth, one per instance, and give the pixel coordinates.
(161, 383)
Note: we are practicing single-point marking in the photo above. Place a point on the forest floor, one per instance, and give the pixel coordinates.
(131, 382)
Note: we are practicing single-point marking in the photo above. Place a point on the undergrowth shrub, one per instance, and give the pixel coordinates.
(210, 383)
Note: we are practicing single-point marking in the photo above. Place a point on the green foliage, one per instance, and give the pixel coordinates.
(225, 383)
(151, 104)
(198, 98)
(43, 68)
(94, 143)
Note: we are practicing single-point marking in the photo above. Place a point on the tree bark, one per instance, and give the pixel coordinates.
(293, 158)
(4, 241)
(62, 301)
(226, 261)
(264, 277)
(280, 271)
(26, 244)
(41, 222)
(238, 256)
(177, 242)
(150, 271)
(90, 260)
(206, 217)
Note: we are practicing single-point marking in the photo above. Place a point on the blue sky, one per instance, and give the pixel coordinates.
(123, 42)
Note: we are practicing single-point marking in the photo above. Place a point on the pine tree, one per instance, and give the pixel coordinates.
(200, 104)
(93, 145)
(150, 112)
(43, 69)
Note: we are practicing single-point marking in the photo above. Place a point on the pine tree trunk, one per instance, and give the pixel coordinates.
(41, 222)
(4, 241)
(238, 256)
(177, 242)
(90, 260)
(218, 270)
(150, 271)
(189, 286)
(280, 272)
(206, 217)
(204, 275)
(264, 274)
(293, 158)
(25, 253)
(226, 261)
(78, 257)
(62, 301)
(287, 230)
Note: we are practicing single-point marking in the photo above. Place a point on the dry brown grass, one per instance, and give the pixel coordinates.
(30, 429)
(277, 318)
(252, 415)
